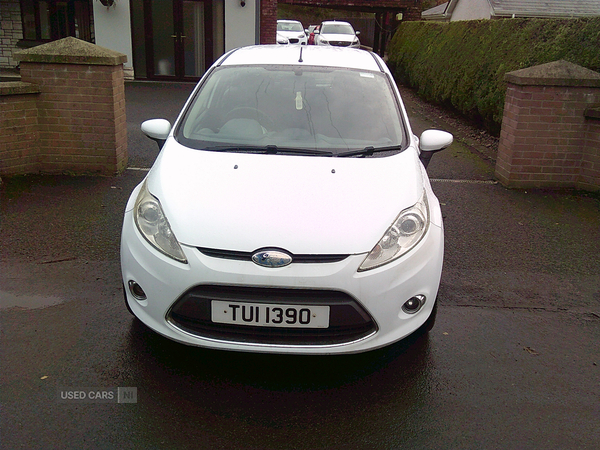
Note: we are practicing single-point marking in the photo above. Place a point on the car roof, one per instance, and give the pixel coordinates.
(288, 21)
(313, 55)
(335, 21)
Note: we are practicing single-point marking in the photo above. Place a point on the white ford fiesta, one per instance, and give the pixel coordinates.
(289, 210)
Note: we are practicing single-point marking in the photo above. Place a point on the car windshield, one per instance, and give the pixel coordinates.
(337, 28)
(289, 26)
(322, 110)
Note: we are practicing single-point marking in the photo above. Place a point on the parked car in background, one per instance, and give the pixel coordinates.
(291, 32)
(310, 32)
(338, 34)
(289, 209)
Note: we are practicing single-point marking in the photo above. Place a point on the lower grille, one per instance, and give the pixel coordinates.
(348, 321)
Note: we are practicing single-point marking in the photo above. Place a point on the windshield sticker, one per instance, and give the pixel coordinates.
(367, 75)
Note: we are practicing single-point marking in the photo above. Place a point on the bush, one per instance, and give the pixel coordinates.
(462, 64)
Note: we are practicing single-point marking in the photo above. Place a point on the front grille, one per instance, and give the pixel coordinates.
(348, 321)
(340, 43)
(247, 256)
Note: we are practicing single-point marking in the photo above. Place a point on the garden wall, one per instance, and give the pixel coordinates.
(67, 115)
(550, 132)
(19, 135)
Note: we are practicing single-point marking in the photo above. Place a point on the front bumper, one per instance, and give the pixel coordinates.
(377, 294)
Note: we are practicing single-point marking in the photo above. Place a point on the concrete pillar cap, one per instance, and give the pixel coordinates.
(557, 73)
(71, 50)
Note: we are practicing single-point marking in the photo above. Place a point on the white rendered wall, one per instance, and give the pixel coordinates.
(471, 10)
(112, 27)
(240, 24)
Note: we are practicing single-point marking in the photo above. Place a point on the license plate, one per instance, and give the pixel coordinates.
(270, 315)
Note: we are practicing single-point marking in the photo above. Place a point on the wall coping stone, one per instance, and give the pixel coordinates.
(557, 73)
(17, 88)
(71, 50)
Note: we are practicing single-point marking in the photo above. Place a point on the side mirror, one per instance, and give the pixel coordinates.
(358, 33)
(432, 141)
(157, 129)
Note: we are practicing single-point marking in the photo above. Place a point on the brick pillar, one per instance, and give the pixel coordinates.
(81, 106)
(544, 129)
(268, 22)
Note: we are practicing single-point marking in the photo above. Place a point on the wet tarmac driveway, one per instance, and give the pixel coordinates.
(513, 361)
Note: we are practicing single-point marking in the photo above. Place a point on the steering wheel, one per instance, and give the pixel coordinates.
(248, 112)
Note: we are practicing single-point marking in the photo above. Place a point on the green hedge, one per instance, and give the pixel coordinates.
(462, 64)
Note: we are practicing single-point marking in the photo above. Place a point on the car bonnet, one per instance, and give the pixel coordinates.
(339, 37)
(305, 205)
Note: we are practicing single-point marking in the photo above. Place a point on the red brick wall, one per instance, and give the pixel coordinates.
(81, 118)
(590, 164)
(268, 22)
(543, 135)
(19, 133)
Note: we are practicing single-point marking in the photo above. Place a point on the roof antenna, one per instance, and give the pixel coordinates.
(300, 60)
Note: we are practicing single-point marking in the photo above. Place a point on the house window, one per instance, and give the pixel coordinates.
(46, 20)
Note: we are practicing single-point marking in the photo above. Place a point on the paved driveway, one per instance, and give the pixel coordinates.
(512, 362)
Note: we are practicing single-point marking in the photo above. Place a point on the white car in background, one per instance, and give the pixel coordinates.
(338, 34)
(291, 32)
(289, 210)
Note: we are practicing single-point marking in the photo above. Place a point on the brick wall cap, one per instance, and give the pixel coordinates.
(71, 50)
(557, 73)
(18, 87)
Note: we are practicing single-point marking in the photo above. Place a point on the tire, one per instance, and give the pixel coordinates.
(430, 322)
(126, 302)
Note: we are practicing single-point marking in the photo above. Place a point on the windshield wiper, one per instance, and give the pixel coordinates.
(274, 149)
(368, 151)
(269, 150)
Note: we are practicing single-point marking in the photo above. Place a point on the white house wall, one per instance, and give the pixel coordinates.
(112, 27)
(240, 24)
(471, 10)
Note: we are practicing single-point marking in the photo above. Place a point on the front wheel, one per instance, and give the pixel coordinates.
(126, 302)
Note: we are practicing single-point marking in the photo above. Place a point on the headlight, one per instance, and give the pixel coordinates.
(154, 226)
(406, 232)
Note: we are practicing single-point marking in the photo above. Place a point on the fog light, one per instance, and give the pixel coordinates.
(136, 290)
(413, 304)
